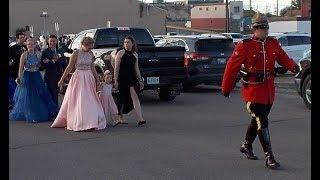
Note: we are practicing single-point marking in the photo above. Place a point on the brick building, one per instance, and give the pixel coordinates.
(76, 15)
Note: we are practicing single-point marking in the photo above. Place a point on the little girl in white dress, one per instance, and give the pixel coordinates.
(107, 101)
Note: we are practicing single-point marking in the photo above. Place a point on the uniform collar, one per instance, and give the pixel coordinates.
(258, 39)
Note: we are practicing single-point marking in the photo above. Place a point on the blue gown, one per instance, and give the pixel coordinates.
(32, 100)
(11, 88)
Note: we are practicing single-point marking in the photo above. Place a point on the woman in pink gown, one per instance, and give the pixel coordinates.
(81, 109)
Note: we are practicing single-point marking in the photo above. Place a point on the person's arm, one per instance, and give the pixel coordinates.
(62, 59)
(72, 62)
(46, 62)
(232, 68)
(284, 60)
(137, 70)
(93, 69)
(117, 66)
(21, 67)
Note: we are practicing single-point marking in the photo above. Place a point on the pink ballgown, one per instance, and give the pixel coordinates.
(107, 101)
(81, 108)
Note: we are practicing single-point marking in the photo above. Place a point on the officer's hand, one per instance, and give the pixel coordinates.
(226, 94)
(296, 69)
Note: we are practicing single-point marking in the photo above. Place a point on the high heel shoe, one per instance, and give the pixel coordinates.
(141, 123)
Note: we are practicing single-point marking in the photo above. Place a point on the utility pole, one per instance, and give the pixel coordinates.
(227, 16)
(44, 15)
(250, 5)
(277, 7)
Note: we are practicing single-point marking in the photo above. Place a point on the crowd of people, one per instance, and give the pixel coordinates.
(83, 108)
(88, 103)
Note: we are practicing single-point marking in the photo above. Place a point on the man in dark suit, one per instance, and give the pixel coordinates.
(15, 52)
(54, 63)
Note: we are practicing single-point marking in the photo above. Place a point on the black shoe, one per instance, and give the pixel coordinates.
(141, 123)
(271, 162)
(247, 150)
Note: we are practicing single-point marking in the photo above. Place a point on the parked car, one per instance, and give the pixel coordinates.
(161, 67)
(235, 36)
(294, 44)
(205, 57)
(303, 79)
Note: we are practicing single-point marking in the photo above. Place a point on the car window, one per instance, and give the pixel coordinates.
(180, 43)
(107, 37)
(294, 40)
(161, 42)
(115, 37)
(306, 39)
(76, 42)
(90, 34)
(209, 45)
(237, 35)
(283, 41)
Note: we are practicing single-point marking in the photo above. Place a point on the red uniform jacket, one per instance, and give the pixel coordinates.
(249, 52)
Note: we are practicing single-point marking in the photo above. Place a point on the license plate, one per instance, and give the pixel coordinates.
(152, 80)
(221, 60)
(174, 93)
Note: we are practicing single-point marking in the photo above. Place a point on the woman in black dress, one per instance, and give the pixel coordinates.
(128, 80)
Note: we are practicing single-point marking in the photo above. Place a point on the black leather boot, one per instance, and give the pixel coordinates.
(271, 162)
(264, 138)
(246, 148)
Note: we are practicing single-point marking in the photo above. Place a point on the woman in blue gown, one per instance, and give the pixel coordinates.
(32, 100)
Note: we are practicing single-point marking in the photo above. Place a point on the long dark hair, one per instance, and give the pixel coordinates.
(134, 45)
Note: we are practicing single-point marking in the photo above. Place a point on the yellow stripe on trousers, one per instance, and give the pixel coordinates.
(253, 115)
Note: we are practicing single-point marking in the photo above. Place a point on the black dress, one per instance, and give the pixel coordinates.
(126, 79)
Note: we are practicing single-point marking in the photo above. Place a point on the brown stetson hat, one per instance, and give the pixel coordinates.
(259, 19)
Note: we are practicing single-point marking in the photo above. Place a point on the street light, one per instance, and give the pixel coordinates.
(45, 15)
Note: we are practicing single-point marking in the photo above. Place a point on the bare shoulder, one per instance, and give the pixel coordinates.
(24, 55)
(75, 53)
(120, 52)
(135, 54)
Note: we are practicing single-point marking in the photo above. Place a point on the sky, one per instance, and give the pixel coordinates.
(261, 5)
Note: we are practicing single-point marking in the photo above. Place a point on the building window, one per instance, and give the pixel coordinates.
(215, 8)
(207, 8)
(236, 9)
(200, 9)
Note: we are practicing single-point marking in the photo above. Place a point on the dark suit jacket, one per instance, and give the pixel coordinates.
(15, 52)
(54, 71)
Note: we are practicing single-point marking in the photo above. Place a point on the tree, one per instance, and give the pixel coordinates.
(20, 29)
(249, 13)
(269, 15)
(284, 10)
(296, 4)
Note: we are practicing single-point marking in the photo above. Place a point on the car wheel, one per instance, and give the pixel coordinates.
(164, 94)
(306, 91)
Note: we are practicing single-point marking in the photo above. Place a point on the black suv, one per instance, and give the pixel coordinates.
(303, 79)
(205, 57)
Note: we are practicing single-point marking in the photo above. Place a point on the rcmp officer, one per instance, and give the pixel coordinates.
(256, 58)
